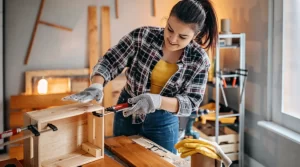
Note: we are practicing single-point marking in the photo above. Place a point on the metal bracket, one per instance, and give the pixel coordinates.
(53, 127)
(97, 114)
(33, 129)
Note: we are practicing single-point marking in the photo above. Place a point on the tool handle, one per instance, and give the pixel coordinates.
(9, 133)
(121, 106)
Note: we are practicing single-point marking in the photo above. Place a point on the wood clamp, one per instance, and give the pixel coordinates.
(32, 128)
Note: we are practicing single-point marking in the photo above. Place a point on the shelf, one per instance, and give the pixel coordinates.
(234, 46)
(229, 115)
(228, 85)
(230, 35)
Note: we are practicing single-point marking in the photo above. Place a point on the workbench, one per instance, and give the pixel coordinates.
(153, 154)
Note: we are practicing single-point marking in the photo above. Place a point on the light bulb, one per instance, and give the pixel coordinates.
(42, 86)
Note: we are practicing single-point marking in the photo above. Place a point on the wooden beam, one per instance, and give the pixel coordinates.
(42, 4)
(55, 26)
(105, 45)
(54, 73)
(93, 44)
(37, 101)
(117, 8)
(154, 7)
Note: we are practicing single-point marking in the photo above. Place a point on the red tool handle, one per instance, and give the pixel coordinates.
(121, 106)
(9, 133)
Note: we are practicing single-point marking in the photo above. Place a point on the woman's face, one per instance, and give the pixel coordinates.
(177, 34)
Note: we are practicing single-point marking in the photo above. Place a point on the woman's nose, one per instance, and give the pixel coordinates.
(173, 39)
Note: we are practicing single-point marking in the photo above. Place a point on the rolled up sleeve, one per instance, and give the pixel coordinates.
(191, 99)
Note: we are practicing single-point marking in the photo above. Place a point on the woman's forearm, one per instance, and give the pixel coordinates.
(98, 79)
(170, 104)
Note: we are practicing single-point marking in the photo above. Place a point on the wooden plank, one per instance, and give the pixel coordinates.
(99, 131)
(104, 162)
(73, 159)
(117, 8)
(91, 128)
(93, 44)
(37, 101)
(61, 112)
(77, 161)
(154, 7)
(105, 45)
(42, 4)
(133, 153)
(54, 73)
(91, 149)
(28, 143)
(16, 152)
(55, 26)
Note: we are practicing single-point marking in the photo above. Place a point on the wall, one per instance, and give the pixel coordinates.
(267, 148)
(57, 49)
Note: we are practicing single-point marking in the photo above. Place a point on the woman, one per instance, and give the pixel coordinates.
(166, 75)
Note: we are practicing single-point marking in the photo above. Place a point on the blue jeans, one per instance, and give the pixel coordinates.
(160, 127)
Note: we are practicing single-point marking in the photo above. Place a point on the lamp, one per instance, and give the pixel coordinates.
(42, 86)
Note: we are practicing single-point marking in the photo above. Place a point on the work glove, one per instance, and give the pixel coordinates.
(94, 91)
(143, 105)
(188, 147)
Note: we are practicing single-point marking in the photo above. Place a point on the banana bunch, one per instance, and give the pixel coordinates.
(188, 147)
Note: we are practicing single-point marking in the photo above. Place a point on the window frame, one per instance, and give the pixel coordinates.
(275, 68)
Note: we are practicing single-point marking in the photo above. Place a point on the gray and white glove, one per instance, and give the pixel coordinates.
(143, 104)
(94, 91)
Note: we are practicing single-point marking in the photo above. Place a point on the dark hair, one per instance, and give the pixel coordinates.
(201, 13)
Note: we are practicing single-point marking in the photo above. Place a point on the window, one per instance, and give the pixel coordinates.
(291, 58)
(284, 64)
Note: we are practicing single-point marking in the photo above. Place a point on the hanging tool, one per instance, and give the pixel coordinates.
(222, 89)
(243, 72)
(234, 79)
(32, 128)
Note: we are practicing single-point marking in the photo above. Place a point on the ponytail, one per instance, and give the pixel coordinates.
(201, 13)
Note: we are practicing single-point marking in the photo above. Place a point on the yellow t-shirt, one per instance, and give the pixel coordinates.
(161, 74)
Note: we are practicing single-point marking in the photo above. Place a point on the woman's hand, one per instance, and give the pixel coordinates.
(143, 104)
(94, 91)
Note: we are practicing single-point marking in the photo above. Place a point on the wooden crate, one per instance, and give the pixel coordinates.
(228, 139)
(78, 140)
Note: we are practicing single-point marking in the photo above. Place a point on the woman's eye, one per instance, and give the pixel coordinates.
(181, 37)
(170, 30)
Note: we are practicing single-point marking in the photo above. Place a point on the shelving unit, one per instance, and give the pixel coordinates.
(241, 113)
(231, 142)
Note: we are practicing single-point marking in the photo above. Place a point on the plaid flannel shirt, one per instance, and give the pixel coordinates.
(140, 50)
